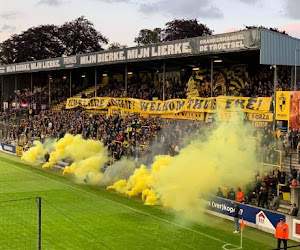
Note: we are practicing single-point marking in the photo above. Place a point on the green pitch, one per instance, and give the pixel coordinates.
(108, 221)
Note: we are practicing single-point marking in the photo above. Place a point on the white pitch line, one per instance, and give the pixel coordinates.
(228, 244)
(122, 205)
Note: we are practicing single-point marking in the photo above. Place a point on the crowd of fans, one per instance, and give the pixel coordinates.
(262, 192)
(130, 135)
(256, 82)
(260, 83)
(26, 98)
(146, 90)
(124, 135)
(240, 81)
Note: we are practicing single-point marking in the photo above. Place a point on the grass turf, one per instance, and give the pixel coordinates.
(93, 218)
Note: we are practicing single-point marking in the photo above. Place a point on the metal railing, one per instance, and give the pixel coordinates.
(279, 165)
(291, 159)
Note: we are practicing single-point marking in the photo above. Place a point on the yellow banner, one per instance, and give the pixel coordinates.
(19, 151)
(283, 105)
(268, 117)
(227, 116)
(174, 106)
(185, 116)
(260, 124)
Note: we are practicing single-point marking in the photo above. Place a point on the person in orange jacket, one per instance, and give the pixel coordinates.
(240, 195)
(282, 233)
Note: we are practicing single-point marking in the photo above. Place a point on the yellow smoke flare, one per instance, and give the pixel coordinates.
(59, 152)
(224, 157)
(138, 182)
(34, 154)
(142, 179)
(120, 186)
(70, 169)
(87, 156)
(89, 170)
(149, 197)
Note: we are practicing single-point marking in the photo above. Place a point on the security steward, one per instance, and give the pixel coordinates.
(282, 233)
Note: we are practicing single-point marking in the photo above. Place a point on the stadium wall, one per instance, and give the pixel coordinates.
(7, 148)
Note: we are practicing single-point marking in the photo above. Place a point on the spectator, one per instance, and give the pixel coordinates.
(275, 203)
(276, 173)
(282, 177)
(294, 172)
(278, 134)
(287, 146)
(240, 195)
(224, 191)
(260, 196)
(274, 183)
(219, 193)
(265, 196)
(257, 184)
(298, 151)
(231, 194)
(267, 180)
(294, 183)
(294, 210)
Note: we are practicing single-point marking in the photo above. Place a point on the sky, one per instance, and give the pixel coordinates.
(121, 20)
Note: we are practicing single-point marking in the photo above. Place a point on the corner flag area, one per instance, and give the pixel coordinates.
(84, 217)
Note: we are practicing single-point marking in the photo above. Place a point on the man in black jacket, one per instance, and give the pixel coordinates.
(236, 215)
(219, 193)
(231, 194)
(294, 210)
(294, 172)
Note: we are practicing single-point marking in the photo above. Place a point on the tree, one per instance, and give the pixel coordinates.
(80, 36)
(8, 49)
(35, 43)
(48, 41)
(174, 30)
(147, 36)
(116, 45)
(185, 28)
(249, 27)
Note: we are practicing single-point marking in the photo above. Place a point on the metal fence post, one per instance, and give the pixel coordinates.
(39, 226)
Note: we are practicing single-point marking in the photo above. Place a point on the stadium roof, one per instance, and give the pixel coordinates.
(274, 49)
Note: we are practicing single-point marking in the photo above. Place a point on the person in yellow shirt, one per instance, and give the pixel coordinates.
(224, 191)
(278, 134)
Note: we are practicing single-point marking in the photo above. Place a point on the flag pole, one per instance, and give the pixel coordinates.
(241, 238)
(242, 229)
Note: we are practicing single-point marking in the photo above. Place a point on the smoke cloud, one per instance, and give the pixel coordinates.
(87, 157)
(225, 156)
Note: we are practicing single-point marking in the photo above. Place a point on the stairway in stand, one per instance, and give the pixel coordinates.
(86, 92)
(288, 162)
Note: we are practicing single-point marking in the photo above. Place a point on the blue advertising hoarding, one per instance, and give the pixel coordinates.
(8, 148)
(255, 215)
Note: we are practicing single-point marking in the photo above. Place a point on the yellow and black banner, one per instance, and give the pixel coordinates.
(258, 105)
(283, 105)
(19, 151)
(267, 117)
(185, 116)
